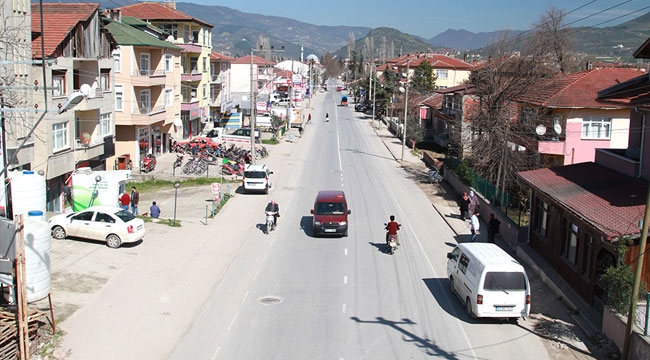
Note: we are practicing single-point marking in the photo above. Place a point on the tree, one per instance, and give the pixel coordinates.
(423, 80)
(332, 66)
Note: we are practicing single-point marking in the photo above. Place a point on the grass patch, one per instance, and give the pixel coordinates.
(272, 141)
(155, 185)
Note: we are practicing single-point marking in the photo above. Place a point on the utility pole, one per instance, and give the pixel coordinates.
(406, 104)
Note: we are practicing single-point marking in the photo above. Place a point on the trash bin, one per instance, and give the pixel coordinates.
(124, 162)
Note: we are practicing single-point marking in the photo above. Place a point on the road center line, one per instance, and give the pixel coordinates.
(216, 352)
(345, 251)
(343, 308)
(345, 279)
(232, 322)
(245, 296)
(257, 273)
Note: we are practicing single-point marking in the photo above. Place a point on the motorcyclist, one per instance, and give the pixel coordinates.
(392, 228)
(273, 207)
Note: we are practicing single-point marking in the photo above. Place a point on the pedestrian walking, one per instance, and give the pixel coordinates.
(473, 203)
(493, 228)
(125, 200)
(464, 206)
(474, 225)
(154, 210)
(135, 199)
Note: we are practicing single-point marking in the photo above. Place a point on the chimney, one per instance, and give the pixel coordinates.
(115, 14)
(588, 66)
(170, 4)
(464, 57)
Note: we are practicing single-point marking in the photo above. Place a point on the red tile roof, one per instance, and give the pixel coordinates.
(256, 60)
(58, 21)
(577, 90)
(434, 101)
(216, 56)
(157, 12)
(610, 201)
(436, 61)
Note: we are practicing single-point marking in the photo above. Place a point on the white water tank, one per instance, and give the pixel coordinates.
(38, 245)
(28, 192)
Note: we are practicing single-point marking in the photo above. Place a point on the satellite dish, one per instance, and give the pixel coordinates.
(557, 128)
(178, 122)
(540, 130)
(401, 89)
(85, 138)
(85, 89)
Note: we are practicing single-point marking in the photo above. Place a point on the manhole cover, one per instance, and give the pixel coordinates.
(269, 300)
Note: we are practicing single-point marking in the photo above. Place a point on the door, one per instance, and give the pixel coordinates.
(101, 226)
(80, 224)
(145, 64)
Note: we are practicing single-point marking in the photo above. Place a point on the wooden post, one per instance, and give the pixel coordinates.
(21, 292)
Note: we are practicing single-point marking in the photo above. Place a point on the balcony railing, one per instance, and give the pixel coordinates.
(151, 72)
(146, 109)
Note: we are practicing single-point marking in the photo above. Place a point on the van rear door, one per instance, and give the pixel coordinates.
(504, 294)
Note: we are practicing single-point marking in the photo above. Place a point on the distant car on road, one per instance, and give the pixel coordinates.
(104, 223)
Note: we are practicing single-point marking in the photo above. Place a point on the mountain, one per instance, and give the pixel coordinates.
(467, 40)
(386, 43)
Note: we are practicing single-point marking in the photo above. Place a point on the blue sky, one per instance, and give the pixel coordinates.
(428, 18)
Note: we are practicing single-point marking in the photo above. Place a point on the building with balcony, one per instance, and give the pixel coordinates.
(448, 71)
(147, 88)
(194, 37)
(563, 122)
(220, 95)
(83, 136)
(581, 214)
(263, 75)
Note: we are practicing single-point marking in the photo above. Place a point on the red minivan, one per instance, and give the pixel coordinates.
(330, 213)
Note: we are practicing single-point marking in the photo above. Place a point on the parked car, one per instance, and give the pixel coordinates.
(257, 178)
(104, 223)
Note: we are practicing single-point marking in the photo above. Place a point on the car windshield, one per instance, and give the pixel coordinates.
(330, 208)
(255, 174)
(504, 281)
(125, 215)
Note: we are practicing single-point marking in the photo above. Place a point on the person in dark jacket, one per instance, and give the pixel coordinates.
(493, 228)
(464, 206)
(273, 207)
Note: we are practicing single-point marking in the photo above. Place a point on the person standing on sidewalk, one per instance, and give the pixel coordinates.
(125, 200)
(493, 228)
(473, 203)
(474, 225)
(135, 199)
(464, 206)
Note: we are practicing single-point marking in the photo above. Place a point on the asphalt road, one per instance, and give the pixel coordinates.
(223, 289)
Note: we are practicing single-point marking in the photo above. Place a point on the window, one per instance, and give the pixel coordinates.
(442, 74)
(58, 82)
(145, 64)
(528, 115)
(102, 217)
(145, 101)
(119, 98)
(463, 263)
(570, 242)
(587, 254)
(169, 97)
(105, 79)
(117, 60)
(84, 216)
(169, 62)
(59, 136)
(541, 217)
(104, 124)
(195, 36)
(194, 63)
(502, 281)
(171, 29)
(596, 127)
(205, 90)
(205, 64)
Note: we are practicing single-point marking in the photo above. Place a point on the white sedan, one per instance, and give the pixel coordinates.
(105, 223)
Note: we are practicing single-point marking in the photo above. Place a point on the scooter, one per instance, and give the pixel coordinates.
(149, 163)
(179, 161)
(270, 219)
(392, 242)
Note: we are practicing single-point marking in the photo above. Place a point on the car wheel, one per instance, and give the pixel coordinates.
(58, 233)
(113, 241)
(451, 285)
(266, 190)
(468, 307)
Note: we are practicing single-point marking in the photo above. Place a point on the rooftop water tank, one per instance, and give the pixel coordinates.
(28, 192)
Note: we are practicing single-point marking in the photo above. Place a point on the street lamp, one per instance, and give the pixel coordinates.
(176, 186)
(406, 103)
(253, 100)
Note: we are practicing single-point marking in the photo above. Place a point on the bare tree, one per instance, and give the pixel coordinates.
(550, 39)
(351, 43)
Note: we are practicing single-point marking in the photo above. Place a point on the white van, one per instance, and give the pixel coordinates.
(488, 281)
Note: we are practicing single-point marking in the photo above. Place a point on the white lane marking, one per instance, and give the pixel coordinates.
(232, 322)
(257, 273)
(272, 240)
(343, 309)
(245, 296)
(338, 149)
(345, 279)
(264, 258)
(345, 252)
(216, 352)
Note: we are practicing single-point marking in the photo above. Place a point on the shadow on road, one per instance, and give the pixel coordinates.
(427, 344)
